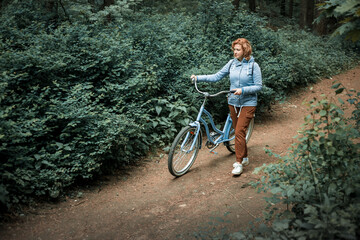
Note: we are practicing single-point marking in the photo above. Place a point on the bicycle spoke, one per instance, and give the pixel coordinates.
(179, 161)
(180, 156)
(182, 153)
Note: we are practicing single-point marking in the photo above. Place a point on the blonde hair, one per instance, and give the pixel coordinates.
(245, 45)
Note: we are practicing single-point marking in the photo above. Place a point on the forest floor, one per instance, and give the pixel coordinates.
(147, 202)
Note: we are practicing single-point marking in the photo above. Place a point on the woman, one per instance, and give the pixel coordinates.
(245, 79)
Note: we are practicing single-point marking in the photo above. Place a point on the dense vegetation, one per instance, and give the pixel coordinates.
(319, 179)
(87, 91)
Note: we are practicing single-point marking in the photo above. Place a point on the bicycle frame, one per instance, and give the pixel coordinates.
(223, 135)
(188, 141)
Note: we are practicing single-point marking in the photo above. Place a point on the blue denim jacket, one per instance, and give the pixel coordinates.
(241, 76)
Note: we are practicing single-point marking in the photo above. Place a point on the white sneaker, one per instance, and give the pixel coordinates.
(238, 169)
(244, 162)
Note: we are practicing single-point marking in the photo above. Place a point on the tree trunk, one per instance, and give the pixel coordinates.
(236, 4)
(306, 18)
(302, 15)
(108, 3)
(326, 25)
(310, 13)
(283, 8)
(53, 9)
(321, 27)
(291, 8)
(252, 5)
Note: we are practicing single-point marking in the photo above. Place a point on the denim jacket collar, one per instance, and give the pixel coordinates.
(239, 63)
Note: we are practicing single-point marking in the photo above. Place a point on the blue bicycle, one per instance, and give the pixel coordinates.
(187, 143)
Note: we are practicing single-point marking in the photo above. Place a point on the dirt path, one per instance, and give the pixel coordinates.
(148, 203)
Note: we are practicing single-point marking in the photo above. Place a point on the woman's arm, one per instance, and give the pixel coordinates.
(217, 76)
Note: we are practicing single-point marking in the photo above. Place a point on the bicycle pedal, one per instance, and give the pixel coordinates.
(213, 152)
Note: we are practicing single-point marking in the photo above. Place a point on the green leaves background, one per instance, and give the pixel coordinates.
(319, 179)
(85, 91)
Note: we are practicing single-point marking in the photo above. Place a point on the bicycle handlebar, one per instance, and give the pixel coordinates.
(211, 95)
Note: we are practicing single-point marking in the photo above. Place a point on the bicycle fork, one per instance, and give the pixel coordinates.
(189, 135)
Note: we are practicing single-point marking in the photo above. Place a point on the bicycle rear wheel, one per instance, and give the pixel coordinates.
(230, 145)
(180, 158)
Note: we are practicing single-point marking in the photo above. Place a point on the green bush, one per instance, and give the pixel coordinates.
(319, 180)
(84, 92)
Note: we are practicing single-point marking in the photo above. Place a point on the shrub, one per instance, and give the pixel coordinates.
(319, 180)
(89, 91)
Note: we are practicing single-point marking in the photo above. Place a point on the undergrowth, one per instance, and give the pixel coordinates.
(89, 91)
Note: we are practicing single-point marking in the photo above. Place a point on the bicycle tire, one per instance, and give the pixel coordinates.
(230, 145)
(180, 161)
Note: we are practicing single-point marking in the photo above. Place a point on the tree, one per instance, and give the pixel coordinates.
(252, 5)
(307, 8)
(236, 4)
(291, 8)
(347, 13)
(283, 7)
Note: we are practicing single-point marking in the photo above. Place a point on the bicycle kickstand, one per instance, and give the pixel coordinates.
(212, 150)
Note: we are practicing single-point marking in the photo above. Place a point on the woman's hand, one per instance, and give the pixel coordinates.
(193, 77)
(238, 91)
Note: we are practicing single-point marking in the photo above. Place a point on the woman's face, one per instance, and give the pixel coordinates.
(238, 52)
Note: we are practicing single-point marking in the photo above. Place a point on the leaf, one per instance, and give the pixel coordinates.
(346, 27)
(158, 110)
(346, 20)
(340, 90)
(60, 145)
(353, 35)
(335, 85)
(346, 6)
(54, 193)
(351, 101)
(323, 113)
(173, 114)
(332, 188)
(48, 164)
(276, 190)
(281, 225)
(184, 109)
(290, 192)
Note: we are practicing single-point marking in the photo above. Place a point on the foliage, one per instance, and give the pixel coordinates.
(87, 91)
(348, 12)
(319, 179)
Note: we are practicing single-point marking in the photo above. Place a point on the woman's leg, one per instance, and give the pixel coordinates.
(241, 123)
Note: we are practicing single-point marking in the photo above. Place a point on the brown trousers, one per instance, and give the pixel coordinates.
(241, 124)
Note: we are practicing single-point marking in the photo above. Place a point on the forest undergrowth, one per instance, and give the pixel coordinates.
(85, 92)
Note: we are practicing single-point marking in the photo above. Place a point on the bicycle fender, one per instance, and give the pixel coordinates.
(197, 124)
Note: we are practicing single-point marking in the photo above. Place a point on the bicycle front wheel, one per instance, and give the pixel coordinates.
(180, 157)
(230, 145)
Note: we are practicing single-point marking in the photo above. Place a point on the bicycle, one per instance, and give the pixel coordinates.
(188, 141)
